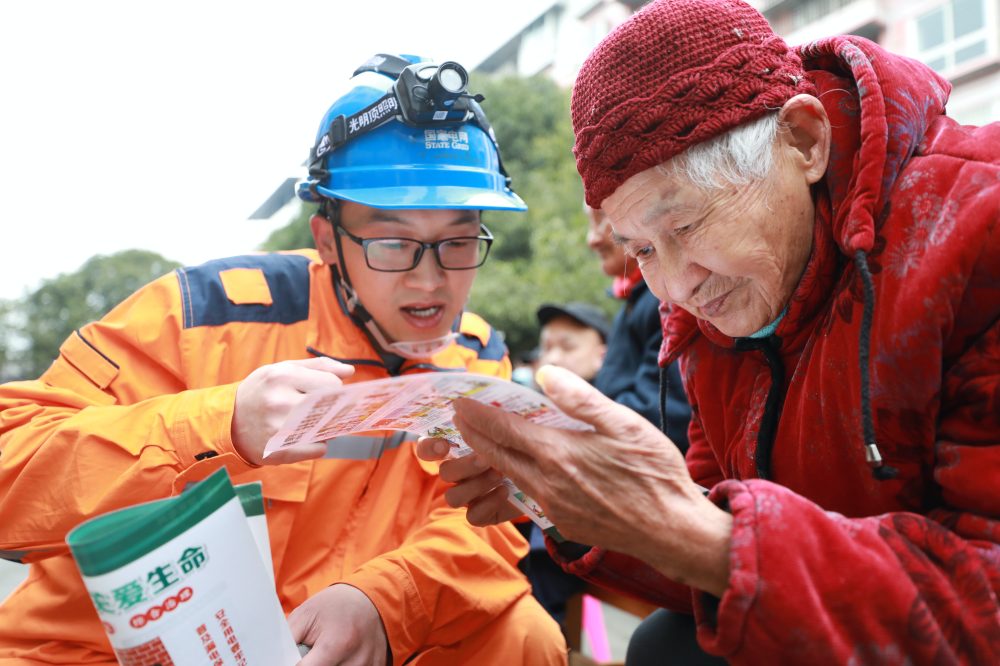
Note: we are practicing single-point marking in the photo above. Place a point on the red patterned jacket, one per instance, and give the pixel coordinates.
(829, 564)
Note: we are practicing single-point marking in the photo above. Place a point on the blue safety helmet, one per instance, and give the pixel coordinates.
(368, 151)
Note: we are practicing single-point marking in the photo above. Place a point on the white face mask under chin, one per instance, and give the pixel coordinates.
(422, 349)
(414, 350)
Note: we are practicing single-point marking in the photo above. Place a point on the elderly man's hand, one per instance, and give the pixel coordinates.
(342, 626)
(624, 486)
(268, 394)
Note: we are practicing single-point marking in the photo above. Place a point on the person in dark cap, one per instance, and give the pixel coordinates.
(573, 336)
(828, 240)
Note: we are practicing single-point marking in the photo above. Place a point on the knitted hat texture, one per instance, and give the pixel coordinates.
(677, 73)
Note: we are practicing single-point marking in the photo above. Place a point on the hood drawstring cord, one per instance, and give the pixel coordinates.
(663, 400)
(873, 456)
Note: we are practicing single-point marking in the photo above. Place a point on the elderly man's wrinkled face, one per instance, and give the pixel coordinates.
(731, 256)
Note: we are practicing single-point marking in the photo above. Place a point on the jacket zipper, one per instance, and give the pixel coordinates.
(769, 346)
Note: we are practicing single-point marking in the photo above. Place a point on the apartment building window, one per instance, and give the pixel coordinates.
(954, 33)
(810, 11)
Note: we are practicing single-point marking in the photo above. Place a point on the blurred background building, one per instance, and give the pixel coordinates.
(958, 38)
(558, 40)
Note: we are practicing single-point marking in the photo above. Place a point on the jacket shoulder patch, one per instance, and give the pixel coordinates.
(246, 286)
(494, 349)
(265, 288)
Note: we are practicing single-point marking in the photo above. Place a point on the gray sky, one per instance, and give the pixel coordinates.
(162, 125)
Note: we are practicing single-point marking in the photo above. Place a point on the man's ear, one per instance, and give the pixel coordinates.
(805, 131)
(322, 232)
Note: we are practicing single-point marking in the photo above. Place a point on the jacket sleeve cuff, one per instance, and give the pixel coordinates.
(406, 622)
(575, 558)
(621, 573)
(722, 623)
(202, 434)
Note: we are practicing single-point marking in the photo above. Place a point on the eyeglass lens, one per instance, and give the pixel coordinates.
(401, 254)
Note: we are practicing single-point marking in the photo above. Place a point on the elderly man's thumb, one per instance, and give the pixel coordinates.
(553, 378)
(575, 396)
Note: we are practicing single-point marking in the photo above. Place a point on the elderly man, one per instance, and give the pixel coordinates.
(829, 240)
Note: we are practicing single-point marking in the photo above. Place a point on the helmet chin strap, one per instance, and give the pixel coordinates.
(351, 306)
(414, 350)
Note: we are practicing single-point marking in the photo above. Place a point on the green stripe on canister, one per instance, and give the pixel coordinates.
(252, 498)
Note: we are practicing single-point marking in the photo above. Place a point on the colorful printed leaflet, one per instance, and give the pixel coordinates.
(419, 404)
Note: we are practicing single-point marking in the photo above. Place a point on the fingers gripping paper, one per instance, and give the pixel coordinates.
(420, 404)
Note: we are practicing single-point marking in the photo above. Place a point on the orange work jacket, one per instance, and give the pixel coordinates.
(140, 404)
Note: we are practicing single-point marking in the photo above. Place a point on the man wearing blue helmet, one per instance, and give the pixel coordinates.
(199, 368)
(418, 156)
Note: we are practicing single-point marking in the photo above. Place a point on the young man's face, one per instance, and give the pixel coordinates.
(419, 304)
(569, 344)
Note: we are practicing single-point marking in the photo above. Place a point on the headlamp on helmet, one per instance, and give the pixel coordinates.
(406, 134)
(430, 94)
(424, 94)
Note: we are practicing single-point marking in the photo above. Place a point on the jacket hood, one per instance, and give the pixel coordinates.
(896, 100)
(899, 98)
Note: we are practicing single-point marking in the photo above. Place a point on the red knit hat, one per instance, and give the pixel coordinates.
(677, 73)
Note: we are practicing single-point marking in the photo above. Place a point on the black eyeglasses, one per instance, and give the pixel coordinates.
(398, 255)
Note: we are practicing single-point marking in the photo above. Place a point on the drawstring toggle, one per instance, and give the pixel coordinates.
(872, 454)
